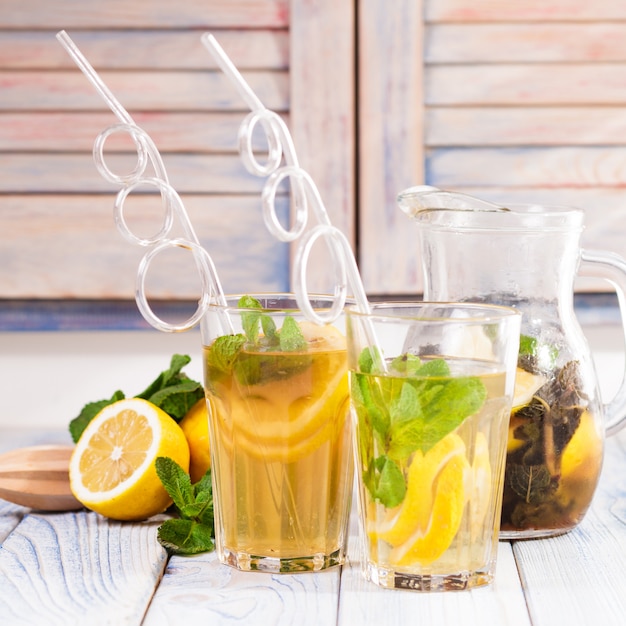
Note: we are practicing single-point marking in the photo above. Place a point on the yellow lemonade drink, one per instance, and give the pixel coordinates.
(430, 436)
(281, 449)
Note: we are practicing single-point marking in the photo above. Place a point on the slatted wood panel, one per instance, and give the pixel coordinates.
(517, 102)
(56, 206)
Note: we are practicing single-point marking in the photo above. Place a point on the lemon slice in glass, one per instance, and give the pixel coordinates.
(427, 544)
(526, 386)
(422, 485)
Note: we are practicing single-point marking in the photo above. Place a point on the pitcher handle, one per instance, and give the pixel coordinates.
(611, 267)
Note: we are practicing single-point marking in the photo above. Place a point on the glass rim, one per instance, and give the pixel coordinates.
(515, 217)
(484, 313)
(233, 299)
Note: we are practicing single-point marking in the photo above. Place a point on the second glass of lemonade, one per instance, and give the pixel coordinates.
(280, 433)
(431, 389)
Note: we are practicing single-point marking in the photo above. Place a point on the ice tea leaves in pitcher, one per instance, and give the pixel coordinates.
(542, 434)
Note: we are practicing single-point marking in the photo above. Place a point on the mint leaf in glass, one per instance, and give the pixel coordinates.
(253, 368)
(367, 394)
(536, 357)
(367, 359)
(250, 319)
(411, 407)
(269, 330)
(428, 410)
(291, 337)
(224, 351)
(406, 364)
(385, 482)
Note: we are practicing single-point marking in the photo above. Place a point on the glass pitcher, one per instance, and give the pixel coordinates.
(527, 256)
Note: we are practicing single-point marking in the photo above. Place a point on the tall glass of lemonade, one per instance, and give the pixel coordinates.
(280, 434)
(431, 388)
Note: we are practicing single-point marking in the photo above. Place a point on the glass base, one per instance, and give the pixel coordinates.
(275, 565)
(532, 533)
(391, 579)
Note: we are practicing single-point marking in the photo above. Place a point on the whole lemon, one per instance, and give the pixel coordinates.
(195, 425)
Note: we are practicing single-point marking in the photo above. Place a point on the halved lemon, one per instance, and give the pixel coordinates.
(112, 469)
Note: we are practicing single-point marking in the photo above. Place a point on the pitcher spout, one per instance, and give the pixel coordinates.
(422, 198)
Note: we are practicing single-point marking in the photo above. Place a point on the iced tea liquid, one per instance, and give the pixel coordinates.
(281, 456)
(446, 523)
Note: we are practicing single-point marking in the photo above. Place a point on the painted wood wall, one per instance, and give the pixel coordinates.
(509, 101)
(59, 240)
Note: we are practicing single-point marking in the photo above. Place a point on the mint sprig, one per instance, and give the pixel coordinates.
(263, 343)
(288, 339)
(224, 352)
(193, 531)
(410, 408)
(172, 391)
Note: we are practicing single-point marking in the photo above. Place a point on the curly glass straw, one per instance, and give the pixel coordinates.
(305, 194)
(147, 152)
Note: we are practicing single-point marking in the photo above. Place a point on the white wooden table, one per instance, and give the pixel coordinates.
(79, 568)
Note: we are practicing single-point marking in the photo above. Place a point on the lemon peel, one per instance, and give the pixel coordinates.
(293, 445)
(285, 414)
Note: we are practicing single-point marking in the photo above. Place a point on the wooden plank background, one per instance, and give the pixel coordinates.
(518, 102)
(509, 101)
(56, 206)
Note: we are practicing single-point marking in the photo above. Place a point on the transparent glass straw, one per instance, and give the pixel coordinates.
(306, 193)
(147, 152)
